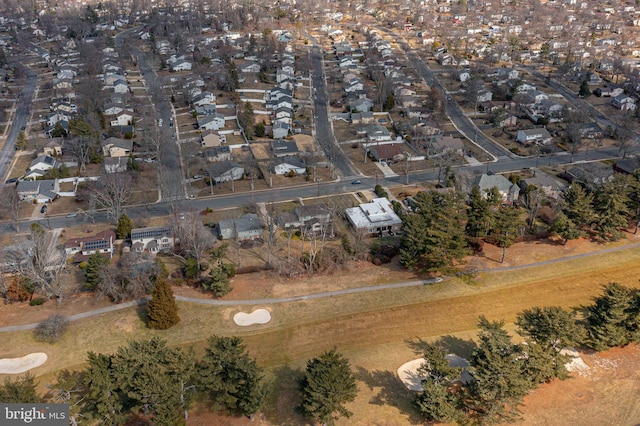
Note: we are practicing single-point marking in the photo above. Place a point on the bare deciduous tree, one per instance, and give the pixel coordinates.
(39, 260)
(194, 239)
(10, 205)
(81, 147)
(111, 192)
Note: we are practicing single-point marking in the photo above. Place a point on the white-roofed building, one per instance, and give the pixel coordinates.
(376, 218)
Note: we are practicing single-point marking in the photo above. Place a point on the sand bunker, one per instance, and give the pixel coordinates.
(20, 365)
(259, 316)
(411, 379)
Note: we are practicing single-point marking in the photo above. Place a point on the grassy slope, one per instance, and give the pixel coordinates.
(378, 331)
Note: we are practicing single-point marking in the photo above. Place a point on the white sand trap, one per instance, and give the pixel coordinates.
(577, 364)
(259, 316)
(410, 378)
(20, 365)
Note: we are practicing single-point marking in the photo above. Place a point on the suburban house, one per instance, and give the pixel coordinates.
(375, 218)
(509, 191)
(538, 136)
(225, 171)
(627, 166)
(313, 218)
(211, 139)
(116, 147)
(590, 130)
(377, 133)
(152, 239)
(40, 165)
(552, 188)
(122, 119)
(284, 148)
(244, 228)
(441, 145)
(180, 65)
(53, 147)
(203, 98)
(623, 103)
(252, 67)
(40, 191)
(287, 164)
(82, 248)
(365, 117)
(218, 153)
(211, 122)
(589, 174)
(204, 110)
(390, 153)
(280, 130)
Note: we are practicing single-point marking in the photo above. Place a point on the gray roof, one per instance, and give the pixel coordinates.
(248, 222)
(292, 161)
(486, 182)
(219, 168)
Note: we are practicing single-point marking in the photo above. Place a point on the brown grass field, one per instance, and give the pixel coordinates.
(377, 331)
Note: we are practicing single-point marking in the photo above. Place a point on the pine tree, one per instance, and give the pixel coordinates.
(434, 238)
(578, 206)
(479, 214)
(95, 263)
(327, 385)
(611, 203)
(612, 319)
(231, 379)
(21, 390)
(565, 228)
(162, 309)
(124, 227)
(505, 228)
(497, 369)
(436, 402)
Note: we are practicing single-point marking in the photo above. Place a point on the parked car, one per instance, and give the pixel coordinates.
(43, 209)
(356, 182)
(72, 215)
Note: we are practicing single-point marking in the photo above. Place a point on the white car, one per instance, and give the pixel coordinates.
(160, 122)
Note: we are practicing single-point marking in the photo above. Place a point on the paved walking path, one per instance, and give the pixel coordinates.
(215, 302)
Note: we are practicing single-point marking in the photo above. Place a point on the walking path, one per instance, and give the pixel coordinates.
(212, 302)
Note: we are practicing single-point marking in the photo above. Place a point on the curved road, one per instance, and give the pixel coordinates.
(142, 301)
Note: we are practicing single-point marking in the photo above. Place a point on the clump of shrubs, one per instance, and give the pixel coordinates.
(51, 329)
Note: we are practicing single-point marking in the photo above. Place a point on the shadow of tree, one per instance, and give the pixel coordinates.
(451, 344)
(391, 392)
(285, 398)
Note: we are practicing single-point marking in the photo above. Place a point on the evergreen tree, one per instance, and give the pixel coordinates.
(436, 402)
(612, 319)
(479, 215)
(565, 228)
(584, 91)
(20, 390)
(104, 401)
(162, 309)
(505, 228)
(156, 380)
(611, 203)
(231, 379)
(550, 326)
(21, 142)
(497, 369)
(124, 228)
(327, 385)
(94, 264)
(433, 238)
(578, 206)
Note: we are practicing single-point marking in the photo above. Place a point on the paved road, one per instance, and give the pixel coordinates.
(324, 133)
(322, 295)
(455, 113)
(171, 174)
(20, 119)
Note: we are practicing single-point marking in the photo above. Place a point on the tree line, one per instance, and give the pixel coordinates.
(503, 372)
(441, 228)
(147, 382)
